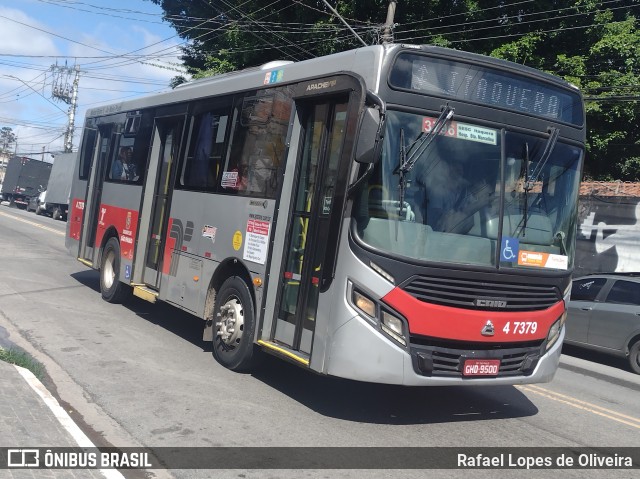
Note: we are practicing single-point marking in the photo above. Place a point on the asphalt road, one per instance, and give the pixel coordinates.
(140, 375)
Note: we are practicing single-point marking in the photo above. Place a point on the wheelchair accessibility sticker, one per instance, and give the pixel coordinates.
(509, 249)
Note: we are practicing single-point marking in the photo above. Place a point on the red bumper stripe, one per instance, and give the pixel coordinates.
(467, 325)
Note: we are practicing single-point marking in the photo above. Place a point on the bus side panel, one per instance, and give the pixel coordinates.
(76, 212)
(74, 225)
(119, 210)
(205, 230)
(125, 223)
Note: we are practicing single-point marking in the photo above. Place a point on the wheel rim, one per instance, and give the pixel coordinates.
(108, 272)
(230, 323)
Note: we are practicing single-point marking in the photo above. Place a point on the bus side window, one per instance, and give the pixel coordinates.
(206, 148)
(256, 159)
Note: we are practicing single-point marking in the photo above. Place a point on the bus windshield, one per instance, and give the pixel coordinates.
(471, 195)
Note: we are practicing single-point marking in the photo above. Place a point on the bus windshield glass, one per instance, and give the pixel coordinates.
(471, 195)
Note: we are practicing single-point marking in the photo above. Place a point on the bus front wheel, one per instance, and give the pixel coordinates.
(234, 325)
(111, 288)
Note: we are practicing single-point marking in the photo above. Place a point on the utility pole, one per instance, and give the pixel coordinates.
(61, 90)
(387, 36)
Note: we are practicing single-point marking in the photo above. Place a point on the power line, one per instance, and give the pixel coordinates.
(503, 26)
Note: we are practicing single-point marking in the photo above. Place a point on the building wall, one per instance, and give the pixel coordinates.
(608, 228)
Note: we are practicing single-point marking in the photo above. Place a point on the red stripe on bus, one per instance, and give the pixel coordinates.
(75, 218)
(445, 322)
(125, 222)
(169, 244)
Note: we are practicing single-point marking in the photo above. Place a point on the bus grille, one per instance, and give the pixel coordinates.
(482, 295)
(447, 360)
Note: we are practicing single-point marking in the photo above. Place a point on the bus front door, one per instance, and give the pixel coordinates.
(323, 129)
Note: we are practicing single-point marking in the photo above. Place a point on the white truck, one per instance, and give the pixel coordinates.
(55, 200)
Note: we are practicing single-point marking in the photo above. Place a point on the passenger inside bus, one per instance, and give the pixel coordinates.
(123, 168)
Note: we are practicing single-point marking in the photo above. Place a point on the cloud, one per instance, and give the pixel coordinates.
(118, 59)
(17, 38)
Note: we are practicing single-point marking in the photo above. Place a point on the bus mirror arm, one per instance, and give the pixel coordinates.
(370, 131)
(354, 187)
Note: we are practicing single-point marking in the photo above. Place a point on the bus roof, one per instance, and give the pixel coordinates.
(366, 62)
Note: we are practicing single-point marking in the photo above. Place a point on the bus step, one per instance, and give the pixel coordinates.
(144, 292)
(280, 350)
(86, 262)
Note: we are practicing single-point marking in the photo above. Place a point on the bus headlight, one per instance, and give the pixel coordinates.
(379, 315)
(364, 304)
(554, 330)
(393, 327)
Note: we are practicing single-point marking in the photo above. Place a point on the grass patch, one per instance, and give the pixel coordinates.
(22, 358)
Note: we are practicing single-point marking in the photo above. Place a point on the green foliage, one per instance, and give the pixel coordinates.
(23, 359)
(7, 139)
(592, 44)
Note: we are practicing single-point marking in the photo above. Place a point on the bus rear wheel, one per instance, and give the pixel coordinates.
(111, 288)
(234, 325)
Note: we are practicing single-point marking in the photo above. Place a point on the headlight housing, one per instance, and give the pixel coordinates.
(555, 329)
(387, 321)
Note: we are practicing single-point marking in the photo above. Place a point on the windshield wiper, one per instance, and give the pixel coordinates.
(531, 179)
(548, 149)
(410, 156)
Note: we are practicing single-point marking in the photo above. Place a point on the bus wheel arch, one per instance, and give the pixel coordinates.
(111, 288)
(231, 316)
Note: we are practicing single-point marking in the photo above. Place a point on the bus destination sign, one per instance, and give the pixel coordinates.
(486, 86)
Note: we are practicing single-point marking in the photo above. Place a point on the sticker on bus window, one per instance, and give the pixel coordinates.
(256, 241)
(463, 131)
(509, 249)
(543, 260)
(229, 179)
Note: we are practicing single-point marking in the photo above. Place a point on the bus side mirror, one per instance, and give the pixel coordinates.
(371, 131)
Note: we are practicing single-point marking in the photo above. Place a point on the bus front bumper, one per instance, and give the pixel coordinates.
(359, 351)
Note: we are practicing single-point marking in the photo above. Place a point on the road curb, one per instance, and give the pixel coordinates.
(63, 418)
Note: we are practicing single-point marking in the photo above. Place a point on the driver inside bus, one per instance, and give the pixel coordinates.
(460, 197)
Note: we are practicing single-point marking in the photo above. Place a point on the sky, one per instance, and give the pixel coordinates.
(122, 47)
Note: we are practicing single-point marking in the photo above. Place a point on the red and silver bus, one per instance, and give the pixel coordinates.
(395, 214)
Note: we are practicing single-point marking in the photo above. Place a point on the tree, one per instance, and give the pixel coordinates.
(592, 44)
(597, 49)
(7, 139)
(226, 35)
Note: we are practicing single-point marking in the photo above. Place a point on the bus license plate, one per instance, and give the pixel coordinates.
(481, 367)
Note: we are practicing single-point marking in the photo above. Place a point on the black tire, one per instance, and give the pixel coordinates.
(634, 357)
(234, 325)
(112, 289)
